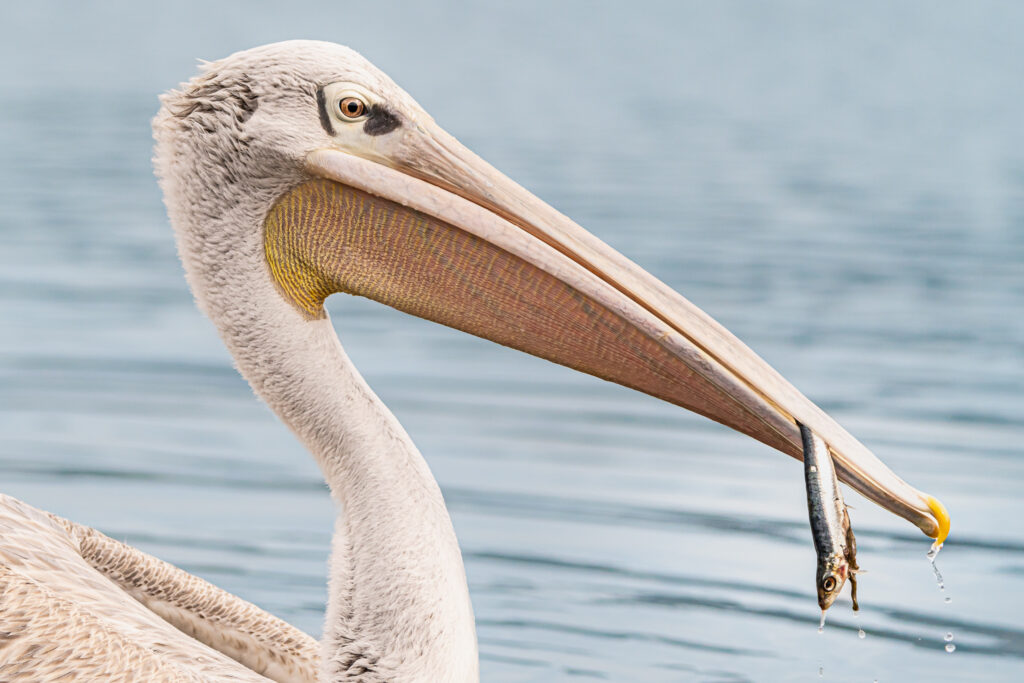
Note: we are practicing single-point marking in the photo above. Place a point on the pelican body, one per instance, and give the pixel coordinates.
(297, 170)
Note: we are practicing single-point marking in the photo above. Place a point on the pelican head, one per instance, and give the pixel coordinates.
(296, 170)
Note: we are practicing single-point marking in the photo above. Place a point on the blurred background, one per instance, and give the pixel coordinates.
(842, 188)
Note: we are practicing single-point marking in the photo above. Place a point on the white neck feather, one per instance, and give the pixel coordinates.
(399, 607)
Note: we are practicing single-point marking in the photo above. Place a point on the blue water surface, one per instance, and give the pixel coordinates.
(841, 187)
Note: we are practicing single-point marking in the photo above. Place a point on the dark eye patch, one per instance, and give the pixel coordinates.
(325, 119)
(382, 120)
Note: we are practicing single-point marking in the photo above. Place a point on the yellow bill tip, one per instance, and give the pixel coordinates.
(941, 516)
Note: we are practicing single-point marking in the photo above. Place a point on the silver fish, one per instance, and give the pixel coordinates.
(830, 523)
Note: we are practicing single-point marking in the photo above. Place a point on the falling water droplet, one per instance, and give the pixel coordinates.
(950, 647)
(821, 625)
(932, 552)
(861, 634)
(948, 599)
(821, 672)
(948, 637)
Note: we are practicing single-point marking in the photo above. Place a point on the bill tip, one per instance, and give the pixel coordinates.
(941, 517)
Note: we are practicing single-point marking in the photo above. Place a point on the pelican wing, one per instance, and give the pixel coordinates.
(77, 604)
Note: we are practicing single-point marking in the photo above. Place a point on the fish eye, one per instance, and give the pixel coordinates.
(829, 583)
(351, 108)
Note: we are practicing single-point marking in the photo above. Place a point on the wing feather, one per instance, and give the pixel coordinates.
(75, 602)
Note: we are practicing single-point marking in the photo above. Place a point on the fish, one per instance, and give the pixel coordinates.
(831, 532)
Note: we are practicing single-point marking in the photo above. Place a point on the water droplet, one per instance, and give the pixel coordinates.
(950, 647)
(821, 625)
(814, 468)
(948, 637)
(935, 570)
(948, 599)
(821, 672)
(861, 634)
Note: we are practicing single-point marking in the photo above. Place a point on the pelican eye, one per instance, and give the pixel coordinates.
(352, 108)
(829, 583)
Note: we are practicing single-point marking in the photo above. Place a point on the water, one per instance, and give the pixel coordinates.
(939, 580)
(842, 189)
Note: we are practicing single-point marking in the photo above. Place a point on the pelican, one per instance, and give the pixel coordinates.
(297, 170)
